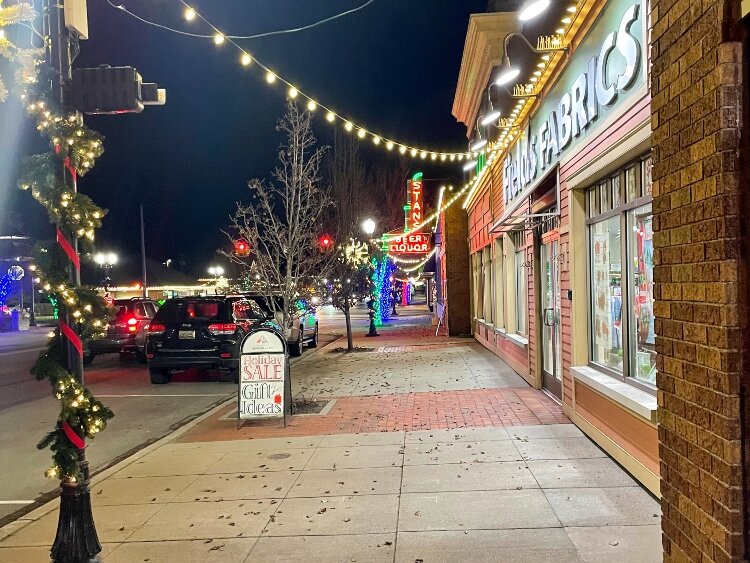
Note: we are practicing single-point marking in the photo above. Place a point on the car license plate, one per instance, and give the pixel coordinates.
(186, 335)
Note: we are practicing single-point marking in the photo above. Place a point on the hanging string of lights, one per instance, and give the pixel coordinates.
(246, 59)
(421, 263)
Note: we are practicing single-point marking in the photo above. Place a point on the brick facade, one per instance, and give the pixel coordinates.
(700, 276)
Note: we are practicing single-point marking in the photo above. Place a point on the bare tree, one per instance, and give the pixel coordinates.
(282, 221)
(349, 271)
(347, 176)
(389, 190)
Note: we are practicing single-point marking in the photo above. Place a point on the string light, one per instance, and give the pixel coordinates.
(421, 263)
(293, 92)
(246, 59)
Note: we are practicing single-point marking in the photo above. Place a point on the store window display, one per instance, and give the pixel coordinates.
(621, 259)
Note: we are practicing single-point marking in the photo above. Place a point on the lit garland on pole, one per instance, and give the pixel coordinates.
(383, 269)
(77, 148)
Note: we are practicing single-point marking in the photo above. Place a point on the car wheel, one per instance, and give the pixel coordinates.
(88, 357)
(159, 376)
(141, 357)
(295, 348)
(314, 342)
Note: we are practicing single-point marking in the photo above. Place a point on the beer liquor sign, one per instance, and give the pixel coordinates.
(416, 243)
(264, 383)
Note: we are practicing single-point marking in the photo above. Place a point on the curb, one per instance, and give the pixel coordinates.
(49, 506)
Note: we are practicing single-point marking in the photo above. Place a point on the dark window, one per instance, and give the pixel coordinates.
(191, 310)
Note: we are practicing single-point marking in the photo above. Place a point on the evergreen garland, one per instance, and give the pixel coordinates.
(76, 147)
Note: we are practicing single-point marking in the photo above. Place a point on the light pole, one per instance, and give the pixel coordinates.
(368, 226)
(216, 272)
(33, 279)
(106, 260)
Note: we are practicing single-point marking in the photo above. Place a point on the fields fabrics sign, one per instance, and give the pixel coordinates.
(606, 67)
(417, 243)
(264, 385)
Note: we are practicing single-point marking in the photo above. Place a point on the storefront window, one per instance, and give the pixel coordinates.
(521, 292)
(622, 274)
(606, 288)
(642, 331)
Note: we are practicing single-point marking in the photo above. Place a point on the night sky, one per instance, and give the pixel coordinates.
(392, 67)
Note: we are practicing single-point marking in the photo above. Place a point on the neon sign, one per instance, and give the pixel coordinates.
(417, 243)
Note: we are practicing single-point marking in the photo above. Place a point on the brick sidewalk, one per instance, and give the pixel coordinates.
(432, 450)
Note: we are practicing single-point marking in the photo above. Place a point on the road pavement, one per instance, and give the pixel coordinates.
(143, 412)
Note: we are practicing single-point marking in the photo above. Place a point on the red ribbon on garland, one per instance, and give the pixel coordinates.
(71, 335)
(74, 438)
(70, 169)
(68, 249)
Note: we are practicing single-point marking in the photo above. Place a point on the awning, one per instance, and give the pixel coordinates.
(525, 222)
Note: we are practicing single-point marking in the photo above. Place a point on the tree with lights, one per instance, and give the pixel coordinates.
(350, 272)
(281, 223)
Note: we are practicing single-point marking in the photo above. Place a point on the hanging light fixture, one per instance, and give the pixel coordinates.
(509, 72)
(489, 117)
(477, 144)
(532, 9)
(470, 165)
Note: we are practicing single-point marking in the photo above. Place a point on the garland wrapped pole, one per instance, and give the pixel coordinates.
(52, 179)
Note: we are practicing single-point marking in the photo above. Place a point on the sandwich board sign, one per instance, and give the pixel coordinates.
(265, 388)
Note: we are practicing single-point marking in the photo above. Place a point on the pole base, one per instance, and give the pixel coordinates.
(376, 334)
(76, 540)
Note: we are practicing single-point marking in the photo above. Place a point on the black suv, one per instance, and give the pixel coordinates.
(131, 319)
(200, 332)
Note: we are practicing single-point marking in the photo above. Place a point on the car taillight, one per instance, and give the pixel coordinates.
(222, 329)
(132, 324)
(156, 329)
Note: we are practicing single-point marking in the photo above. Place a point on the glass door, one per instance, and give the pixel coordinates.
(550, 321)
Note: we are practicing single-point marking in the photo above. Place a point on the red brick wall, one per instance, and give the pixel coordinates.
(457, 272)
(696, 90)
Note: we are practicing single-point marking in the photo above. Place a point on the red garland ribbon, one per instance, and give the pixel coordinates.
(71, 335)
(70, 169)
(68, 249)
(74, 438)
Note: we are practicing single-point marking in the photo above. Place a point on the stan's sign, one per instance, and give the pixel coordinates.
(415, 202)
(573, 107)
(417, 243)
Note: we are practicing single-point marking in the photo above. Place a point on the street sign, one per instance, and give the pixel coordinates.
(265, 387)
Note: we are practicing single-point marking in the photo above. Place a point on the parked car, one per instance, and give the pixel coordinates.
(200, 332)
(126, 332)
(302, 327)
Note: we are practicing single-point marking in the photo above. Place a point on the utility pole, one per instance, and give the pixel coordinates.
(76, 540)
(143, 255)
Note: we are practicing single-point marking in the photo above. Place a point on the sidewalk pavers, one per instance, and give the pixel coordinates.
(488, 472)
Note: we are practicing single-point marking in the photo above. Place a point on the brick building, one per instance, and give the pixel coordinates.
(605, 239)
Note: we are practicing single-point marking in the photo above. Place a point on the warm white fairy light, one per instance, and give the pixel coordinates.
(246, 59)
(361, 133)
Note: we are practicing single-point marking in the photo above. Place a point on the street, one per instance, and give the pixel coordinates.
(143, 412)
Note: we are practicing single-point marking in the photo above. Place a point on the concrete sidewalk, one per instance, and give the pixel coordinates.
(429, 449)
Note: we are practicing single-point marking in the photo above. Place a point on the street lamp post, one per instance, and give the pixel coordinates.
(106, 260)
(216, 272)
(33, 279)
(368, 226)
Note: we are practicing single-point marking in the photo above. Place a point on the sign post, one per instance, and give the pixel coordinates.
(265, 385)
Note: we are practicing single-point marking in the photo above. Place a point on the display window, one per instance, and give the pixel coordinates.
(621, 267)
(521, 280)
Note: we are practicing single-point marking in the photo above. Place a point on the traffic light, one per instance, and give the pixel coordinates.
(326, 243)
(241, 248)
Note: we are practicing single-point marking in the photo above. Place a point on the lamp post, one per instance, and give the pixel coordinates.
(106, 260)
(368, 226)
(216, 272)
(33, 279)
